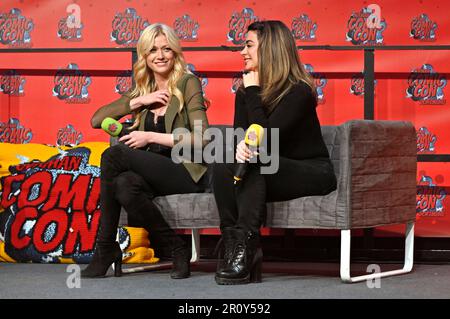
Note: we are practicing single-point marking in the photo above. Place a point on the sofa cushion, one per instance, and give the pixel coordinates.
(375, 165)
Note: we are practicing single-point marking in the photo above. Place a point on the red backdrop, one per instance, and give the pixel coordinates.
(40, 105)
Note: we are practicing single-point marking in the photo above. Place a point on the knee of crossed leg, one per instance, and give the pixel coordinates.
(129, 188)
(112, 158)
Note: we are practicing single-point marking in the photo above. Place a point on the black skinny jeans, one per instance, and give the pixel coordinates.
(244, 205)
(132, 178)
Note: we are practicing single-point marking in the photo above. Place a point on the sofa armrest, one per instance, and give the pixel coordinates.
(377, 180)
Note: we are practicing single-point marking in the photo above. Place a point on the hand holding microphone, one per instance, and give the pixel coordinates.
(113, 127)
(134, 139)
(253, 138)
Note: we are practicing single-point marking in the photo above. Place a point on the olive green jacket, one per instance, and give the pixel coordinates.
(194, 110)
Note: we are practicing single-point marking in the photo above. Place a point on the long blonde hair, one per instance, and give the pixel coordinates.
(144, 79)
(279, 65)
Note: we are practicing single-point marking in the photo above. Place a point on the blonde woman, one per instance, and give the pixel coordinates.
(166, 96)
(276, 93)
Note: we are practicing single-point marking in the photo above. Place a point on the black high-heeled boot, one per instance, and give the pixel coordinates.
(245, 264)
(181, 263)
(105, 255)
(227, 240)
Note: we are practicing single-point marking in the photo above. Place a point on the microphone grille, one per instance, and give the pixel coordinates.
(111, 126)
(254, 135)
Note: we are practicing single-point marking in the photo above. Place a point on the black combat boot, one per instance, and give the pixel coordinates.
(227, 241)
(246, 261)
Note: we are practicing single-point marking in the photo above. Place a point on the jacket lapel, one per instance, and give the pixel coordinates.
(171, 113)
(142, 121)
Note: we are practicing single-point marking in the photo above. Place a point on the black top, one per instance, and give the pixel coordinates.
(159, 127)
(295, 116)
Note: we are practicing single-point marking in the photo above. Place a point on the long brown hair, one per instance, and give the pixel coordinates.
(279, 65)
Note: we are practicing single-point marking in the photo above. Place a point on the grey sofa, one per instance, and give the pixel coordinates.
(375, 166)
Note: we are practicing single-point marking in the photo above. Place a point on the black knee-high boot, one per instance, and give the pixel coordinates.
(151, 219)
(107, 250)
(246, 261)
(136, 197)
(106, 254)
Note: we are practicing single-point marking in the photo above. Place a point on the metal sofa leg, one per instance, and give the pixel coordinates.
(345, 257)
(195, 245)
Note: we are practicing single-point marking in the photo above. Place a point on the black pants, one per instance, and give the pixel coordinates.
(132, 178)
(244, 205)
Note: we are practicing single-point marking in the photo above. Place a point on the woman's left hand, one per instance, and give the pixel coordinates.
(250, 78)
(137, 139)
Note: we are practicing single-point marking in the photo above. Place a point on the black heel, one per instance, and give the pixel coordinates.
(256, 272)
(118, 268)
(106, 254)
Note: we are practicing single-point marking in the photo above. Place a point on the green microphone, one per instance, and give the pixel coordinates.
(112, 127)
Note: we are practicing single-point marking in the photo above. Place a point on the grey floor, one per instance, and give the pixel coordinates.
(280, 281)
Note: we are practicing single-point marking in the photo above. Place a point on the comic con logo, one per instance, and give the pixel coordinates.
(15, 29)
(202, 77)
(362, 31)
(51, 208)
(303, 28)
(12, 83)
(127, 27)
(236, 83)
(238, 24)
(67, 30)
(430, 197)
(423, 29)
(68, 136)
(320, 82)
(123, 82)
(71, 85)
(425, 141)
(186, 28)
(14, 132)
(426, 85)
(357, 85)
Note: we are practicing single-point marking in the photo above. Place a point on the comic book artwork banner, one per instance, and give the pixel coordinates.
(50, 207)
(50, 97)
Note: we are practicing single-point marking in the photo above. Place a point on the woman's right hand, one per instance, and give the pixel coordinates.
(243, 153)
(250, 78)
(161, 97)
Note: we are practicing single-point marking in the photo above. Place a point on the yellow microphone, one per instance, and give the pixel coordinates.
(253, 138)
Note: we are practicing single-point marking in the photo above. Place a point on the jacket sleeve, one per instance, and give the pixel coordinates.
(115, 109)
(196, 112)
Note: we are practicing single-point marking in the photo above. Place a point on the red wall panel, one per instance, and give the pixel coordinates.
(27, 80)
